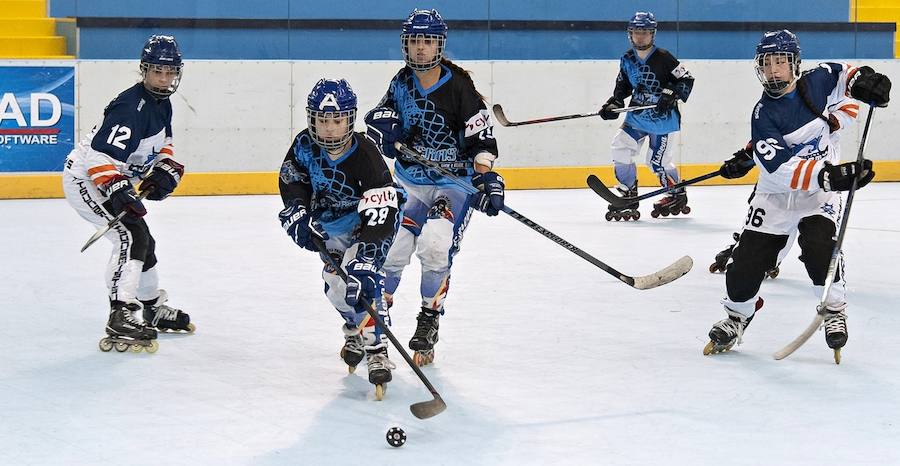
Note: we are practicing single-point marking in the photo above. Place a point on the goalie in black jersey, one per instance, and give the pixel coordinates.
(432, 105)
(337, 188)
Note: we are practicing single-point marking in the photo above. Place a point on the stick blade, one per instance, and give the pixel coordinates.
(499, 115)
(93, 239)
(427, 409)
(598, 187)
(669, 274)
(800, 340)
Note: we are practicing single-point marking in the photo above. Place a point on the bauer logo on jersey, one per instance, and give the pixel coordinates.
(478, 123)
(37, 117)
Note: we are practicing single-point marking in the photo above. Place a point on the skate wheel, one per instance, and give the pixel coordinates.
(121, 347)
(654, 214)
(423, 358)
(105, 345)
(665, 213)
(637, 215)
(707, 350)
(136, 348)
(686, 210)
(191, 327)
(351, 369)
(379, 391)
(609, 216)
(773, 273)
(154, 345)
(713, 268)
(837, 355)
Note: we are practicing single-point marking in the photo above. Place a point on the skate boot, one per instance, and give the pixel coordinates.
(723, 255)
(836, 331)
(165, 318)
(352, 351)
(425, 336)
(629, 211)
(728, 332)
(126, 332)
(379, 367)
(673, 204)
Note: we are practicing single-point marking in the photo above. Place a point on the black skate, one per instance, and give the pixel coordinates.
(729, 331)
(126, 332)
(166, 318)
(836, 331)
(629, 211)
(379, 367)
(425, 337)
(722, 257)
(352, 351)
(673, 204)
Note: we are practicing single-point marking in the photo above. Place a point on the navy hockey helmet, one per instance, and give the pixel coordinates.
(161, 54)
(642, 21)
(331, 113)
(422, 30)
(777, 47)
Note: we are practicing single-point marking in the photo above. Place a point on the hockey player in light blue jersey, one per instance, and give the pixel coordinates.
(800, 180)
(649, 76)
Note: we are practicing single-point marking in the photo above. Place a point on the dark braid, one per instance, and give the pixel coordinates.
(804, 94)
(456, 69)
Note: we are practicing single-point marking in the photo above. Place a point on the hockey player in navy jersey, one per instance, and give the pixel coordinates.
(649, 75)
(432, 105)
(337, 188)
(800, 182)
(133, 144)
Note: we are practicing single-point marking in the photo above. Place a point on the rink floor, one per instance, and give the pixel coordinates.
(543, 358)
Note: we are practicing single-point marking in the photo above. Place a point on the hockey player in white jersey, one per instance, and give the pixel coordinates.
(800, 181)
(132, 144)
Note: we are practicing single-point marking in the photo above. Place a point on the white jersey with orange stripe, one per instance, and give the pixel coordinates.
(135, 132)
(790, 140)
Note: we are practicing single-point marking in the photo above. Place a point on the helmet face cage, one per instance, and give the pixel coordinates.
(334, 142)
(642, 47)
(161, 55)
(642, 21)
(772, 86)
(161, 92)
(413, 40)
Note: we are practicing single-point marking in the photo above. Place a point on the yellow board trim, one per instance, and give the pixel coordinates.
(42, 186)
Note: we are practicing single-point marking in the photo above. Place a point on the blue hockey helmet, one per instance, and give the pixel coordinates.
(642, 21)
(161, 54)
(426, 33)
(777, 48)
(331, 113)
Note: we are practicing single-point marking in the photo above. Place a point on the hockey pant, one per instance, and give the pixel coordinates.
(627, 144)
(434, 220)
(131, 271)
(772, 219)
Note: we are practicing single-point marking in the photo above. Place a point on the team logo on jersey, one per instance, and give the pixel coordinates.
(814, 150)
(828, 209)
(442, 208)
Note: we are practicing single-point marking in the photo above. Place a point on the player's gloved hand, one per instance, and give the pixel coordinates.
(384, 128)
(738, 165)
(122, 198)
(364, 280)
(870, 87)
(606, 111)
(301, 227)
(666, 101)
(839, 177)
(163, 179)
(492, 192)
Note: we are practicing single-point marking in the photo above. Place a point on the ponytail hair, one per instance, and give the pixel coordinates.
(456, 69)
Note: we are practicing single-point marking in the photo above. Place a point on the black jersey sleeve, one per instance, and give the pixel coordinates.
(379, 204)
(293, 180)
(678, 78)
(477, 125)
(623, 87)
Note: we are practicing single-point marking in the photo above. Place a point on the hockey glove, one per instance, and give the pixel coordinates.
(122, 198)
(492, 192)
(301, 227)
(384, 128)
(364, 280)
(666, 101)
(871, 87)
(840, 177)
(163, 179)
(737, 166)
(607, 113)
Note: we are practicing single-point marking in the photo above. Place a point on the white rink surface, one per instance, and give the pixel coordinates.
(543, 358)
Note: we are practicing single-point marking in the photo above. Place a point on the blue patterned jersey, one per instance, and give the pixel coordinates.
(448, 123)
(644, 80)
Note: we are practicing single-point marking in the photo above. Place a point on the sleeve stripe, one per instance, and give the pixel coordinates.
(797, 172)
(167, 151)
(101, 180)
(100, 168)
(807, 176)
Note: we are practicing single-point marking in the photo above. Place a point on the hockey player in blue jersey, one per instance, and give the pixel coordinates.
(649, 76)
(432, 105)
(337, 188)
(133, 143)
(800, 182)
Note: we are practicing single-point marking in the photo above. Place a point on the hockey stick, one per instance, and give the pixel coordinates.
(832, 266)
(501, 117)
(666, 275)
(102, 231)
(598, 187)
(423, 409)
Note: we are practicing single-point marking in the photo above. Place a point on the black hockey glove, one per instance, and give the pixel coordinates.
(492, 192)
(839, 177)
(163, 179)
(364, 280)
(122, 198)
(301, 227)
(871, 87)
(666, 101)
(738, 165)
(606, 111)
(384, 128)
